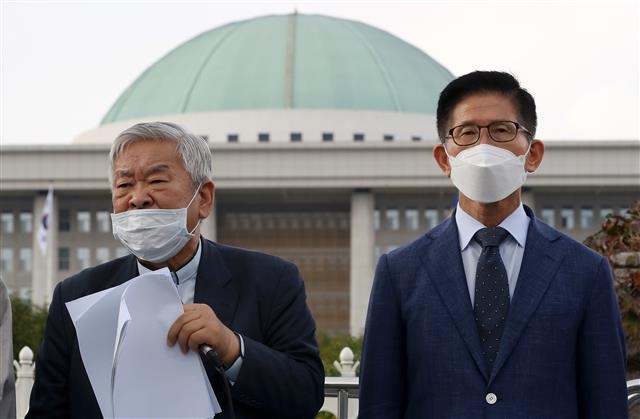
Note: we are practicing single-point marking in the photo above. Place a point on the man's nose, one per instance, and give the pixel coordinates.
(140, 199)
(485, 138)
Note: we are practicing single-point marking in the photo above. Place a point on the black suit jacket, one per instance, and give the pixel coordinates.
(259, 296)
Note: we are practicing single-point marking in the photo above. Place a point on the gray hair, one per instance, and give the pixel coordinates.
(194, 150)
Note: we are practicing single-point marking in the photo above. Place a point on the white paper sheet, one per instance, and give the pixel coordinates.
(122, 333)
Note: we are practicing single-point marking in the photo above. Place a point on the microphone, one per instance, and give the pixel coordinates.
(210, 354)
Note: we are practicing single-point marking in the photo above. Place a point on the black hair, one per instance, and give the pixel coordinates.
(486, 82)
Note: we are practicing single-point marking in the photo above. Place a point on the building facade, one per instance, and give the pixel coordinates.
(321, 131)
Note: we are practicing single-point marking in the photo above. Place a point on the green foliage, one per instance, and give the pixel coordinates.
(330, 347)
(28, 325)
(325, 415)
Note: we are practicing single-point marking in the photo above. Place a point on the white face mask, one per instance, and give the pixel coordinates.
(154, 235)
(485, 173)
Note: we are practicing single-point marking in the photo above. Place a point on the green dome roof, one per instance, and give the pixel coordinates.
(286, 61)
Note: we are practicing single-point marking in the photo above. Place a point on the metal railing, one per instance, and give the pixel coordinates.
(633, 393)
(342, 388)
(337, 390)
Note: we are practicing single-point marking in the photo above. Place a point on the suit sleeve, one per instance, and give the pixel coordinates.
(383, 364)
(601, 352)
(283, 376)
(49, 395)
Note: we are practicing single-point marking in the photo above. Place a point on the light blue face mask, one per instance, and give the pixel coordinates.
(154, 235)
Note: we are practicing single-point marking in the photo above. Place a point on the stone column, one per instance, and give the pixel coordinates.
(362, 263)
(44, 269)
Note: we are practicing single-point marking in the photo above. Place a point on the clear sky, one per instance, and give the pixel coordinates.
(64, 64)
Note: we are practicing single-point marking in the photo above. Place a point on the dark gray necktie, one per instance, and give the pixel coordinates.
(491, 301)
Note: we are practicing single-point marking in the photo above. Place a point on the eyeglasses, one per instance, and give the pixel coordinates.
(499, 131)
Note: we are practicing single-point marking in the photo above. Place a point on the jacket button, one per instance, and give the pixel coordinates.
(491, 398)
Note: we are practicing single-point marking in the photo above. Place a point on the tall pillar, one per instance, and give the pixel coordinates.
(44, 268)
(362, 263)
(208, 226)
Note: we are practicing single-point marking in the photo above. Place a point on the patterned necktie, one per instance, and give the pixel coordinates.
(491, 301)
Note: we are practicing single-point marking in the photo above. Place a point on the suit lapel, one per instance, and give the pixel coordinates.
(445, 269)
(214, 285)
(540, 262)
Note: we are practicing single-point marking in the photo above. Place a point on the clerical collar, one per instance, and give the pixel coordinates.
(186, 273)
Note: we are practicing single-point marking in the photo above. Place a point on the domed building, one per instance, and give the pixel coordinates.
(285, 77)
(321, 131)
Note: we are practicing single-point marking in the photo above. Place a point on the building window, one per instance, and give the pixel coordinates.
(295, 137)
(6, 222)
(416, 138)
(63, 258)
(567, 217)
(102, 255)
(84, 221)
(25, 259)
(26, 222)
(6, 259)
(376, 220)
(431, 215)
(548, 215)
(263, 137)
(586, 218)
(84, 257)
(64, 220)
(232, 138)
(412, 219)
(388, 137)
(392, 217)
(604, 212)
(327, 136)
(358, 137)
(103, 221)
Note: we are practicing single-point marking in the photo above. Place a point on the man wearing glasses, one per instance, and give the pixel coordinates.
(492, 314)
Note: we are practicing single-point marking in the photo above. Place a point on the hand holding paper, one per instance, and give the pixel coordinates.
(199, 325)
(122, 333)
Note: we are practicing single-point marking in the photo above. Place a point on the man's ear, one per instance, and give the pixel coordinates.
(534, 158)
(440, 155)
(206, 199)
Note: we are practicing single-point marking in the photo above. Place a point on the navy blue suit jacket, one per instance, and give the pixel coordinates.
(259, 296)
(562, 352)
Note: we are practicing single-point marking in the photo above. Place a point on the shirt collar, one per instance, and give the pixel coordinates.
(186, 273)
(517, 224)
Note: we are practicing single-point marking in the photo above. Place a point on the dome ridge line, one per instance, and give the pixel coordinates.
(290, 60)
(285, 62)
(214, 48)
(381, 66)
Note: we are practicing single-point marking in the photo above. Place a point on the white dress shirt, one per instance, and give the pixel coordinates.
(511, 249)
